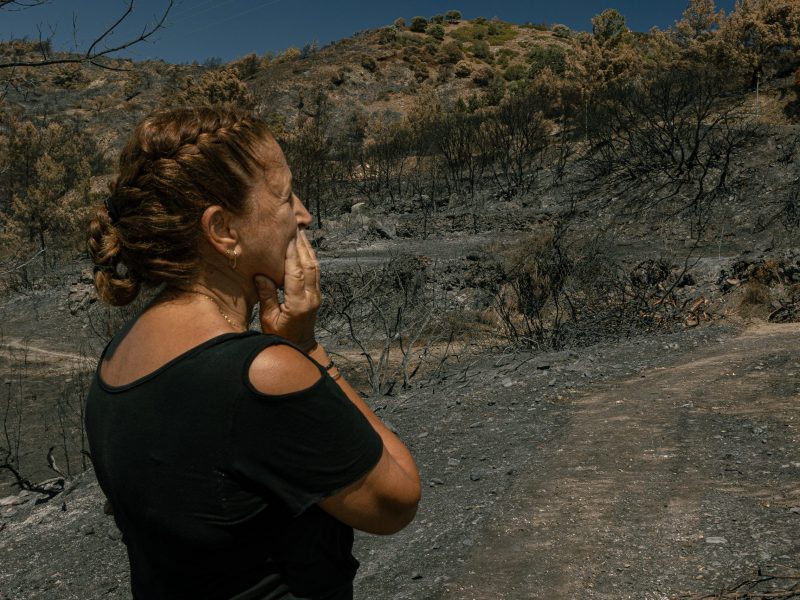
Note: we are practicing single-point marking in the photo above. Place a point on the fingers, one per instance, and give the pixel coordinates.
(310, 264)
(293, 278)
(295, 318)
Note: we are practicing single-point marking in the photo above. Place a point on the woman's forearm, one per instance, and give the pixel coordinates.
(394, 446)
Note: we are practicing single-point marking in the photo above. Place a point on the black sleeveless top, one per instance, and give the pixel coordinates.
(214, 485)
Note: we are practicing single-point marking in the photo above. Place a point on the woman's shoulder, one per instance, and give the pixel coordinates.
(280, 369)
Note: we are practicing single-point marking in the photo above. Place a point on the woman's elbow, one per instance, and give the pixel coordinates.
(399, 512)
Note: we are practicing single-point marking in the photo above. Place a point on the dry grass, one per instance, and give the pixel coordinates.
(754, 294)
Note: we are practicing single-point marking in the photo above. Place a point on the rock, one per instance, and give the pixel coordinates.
(416, 575)
(474, 476)
(359, 208)
(385, 229)
(716, 540)
(12, 500)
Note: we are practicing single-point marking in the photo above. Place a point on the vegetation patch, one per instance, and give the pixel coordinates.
(495, 33)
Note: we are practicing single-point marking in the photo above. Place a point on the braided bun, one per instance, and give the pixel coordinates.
(176, 164)
(104, 250)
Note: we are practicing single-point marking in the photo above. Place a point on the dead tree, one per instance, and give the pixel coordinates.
(667, 138)
(97, 50)
(515, 138)
(308, 150)
(384, 311)
(458, 142)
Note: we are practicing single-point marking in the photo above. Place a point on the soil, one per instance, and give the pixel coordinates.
(665, 465)
(659, 467)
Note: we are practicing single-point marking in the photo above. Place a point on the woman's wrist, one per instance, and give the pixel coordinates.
(319, 354)
(309, 346)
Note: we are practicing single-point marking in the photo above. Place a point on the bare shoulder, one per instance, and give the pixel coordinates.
(280, 369)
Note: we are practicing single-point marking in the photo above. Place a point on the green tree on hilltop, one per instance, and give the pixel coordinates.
(699, 18)
(418, 24)
(609, 26)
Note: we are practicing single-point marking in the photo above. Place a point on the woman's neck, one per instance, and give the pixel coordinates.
(227, 290)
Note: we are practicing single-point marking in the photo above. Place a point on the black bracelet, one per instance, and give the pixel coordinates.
(330, 365)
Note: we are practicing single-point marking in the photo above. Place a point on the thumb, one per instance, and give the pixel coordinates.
(267, 294)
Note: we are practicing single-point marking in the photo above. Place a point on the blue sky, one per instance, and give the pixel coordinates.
(199, 29)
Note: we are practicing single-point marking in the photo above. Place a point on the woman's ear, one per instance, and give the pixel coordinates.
(218, 229)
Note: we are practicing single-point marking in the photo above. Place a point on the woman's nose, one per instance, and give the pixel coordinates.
(302, 215)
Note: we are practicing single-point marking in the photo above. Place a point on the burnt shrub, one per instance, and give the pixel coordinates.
(561, 292)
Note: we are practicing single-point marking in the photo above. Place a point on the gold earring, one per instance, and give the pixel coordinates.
(232, 256)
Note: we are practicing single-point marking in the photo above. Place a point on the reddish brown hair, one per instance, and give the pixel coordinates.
(177, 163)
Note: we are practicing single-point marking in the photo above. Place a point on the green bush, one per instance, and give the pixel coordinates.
(515, 72)
(387, 35)
(437, 19)
(420, 70)
(480, 20)
(436, 31)
(462, 70)
(552, 57)
(369, 63)
(453, 16)
(483, 76)
(480, 49)
(562, 31)
(248, 67)
(609, 25)
(400, 23)
(450, 53)
(418, 24)
(431, 47)
(496, 92)
(496, 32)
(504, 55)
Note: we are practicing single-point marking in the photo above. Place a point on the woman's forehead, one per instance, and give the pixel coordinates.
(278, 178)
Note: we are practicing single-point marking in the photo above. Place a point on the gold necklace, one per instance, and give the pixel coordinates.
(219, 308)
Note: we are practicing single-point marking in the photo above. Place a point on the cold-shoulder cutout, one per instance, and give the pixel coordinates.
(281, 369)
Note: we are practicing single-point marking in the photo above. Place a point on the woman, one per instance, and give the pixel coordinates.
(236, 462)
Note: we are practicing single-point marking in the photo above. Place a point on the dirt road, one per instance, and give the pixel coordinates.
(655, 468)
(675, 480)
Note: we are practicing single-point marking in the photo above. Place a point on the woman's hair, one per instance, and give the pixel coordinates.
(176, 163)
